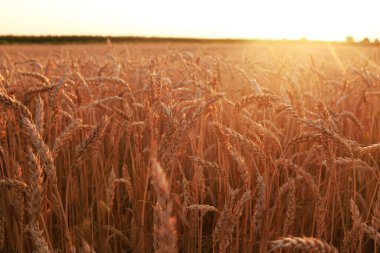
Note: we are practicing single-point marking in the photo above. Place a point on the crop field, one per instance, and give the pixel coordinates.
(190, 147)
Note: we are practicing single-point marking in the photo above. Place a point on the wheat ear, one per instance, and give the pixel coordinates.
(305, 244)
(167, 234)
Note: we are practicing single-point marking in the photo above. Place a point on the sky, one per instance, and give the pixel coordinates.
(265, 19)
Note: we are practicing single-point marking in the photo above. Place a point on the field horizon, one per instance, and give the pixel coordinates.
(79, 39)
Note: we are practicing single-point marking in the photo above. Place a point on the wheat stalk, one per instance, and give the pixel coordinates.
(39, 116)
(36, 75)
(92, 140)
(167, 234)
(110, 193)
(65, 137)
(17, 184)
(290, 214)
(259, 205)
(39, 243)
(12, 103)
(305, 244)
(229, 219)
(37, 91)
(2, 233)
(35, 187)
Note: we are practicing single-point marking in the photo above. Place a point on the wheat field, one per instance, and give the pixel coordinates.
(263, 147)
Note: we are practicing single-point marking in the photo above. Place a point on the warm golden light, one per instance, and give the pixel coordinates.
(292, 19)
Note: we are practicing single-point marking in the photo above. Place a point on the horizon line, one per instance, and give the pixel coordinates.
(350, 39)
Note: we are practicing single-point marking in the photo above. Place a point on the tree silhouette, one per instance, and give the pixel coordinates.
(350, 40)
(365, 41)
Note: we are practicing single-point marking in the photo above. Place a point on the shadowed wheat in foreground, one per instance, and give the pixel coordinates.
(187, 148)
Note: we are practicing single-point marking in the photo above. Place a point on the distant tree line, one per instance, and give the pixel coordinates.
(11, 39)
(49, 39)
(365, 41)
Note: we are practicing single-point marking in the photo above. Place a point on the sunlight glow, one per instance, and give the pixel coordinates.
(336, 57)
(275, 19)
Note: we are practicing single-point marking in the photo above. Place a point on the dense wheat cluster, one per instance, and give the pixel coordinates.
(189, 148)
